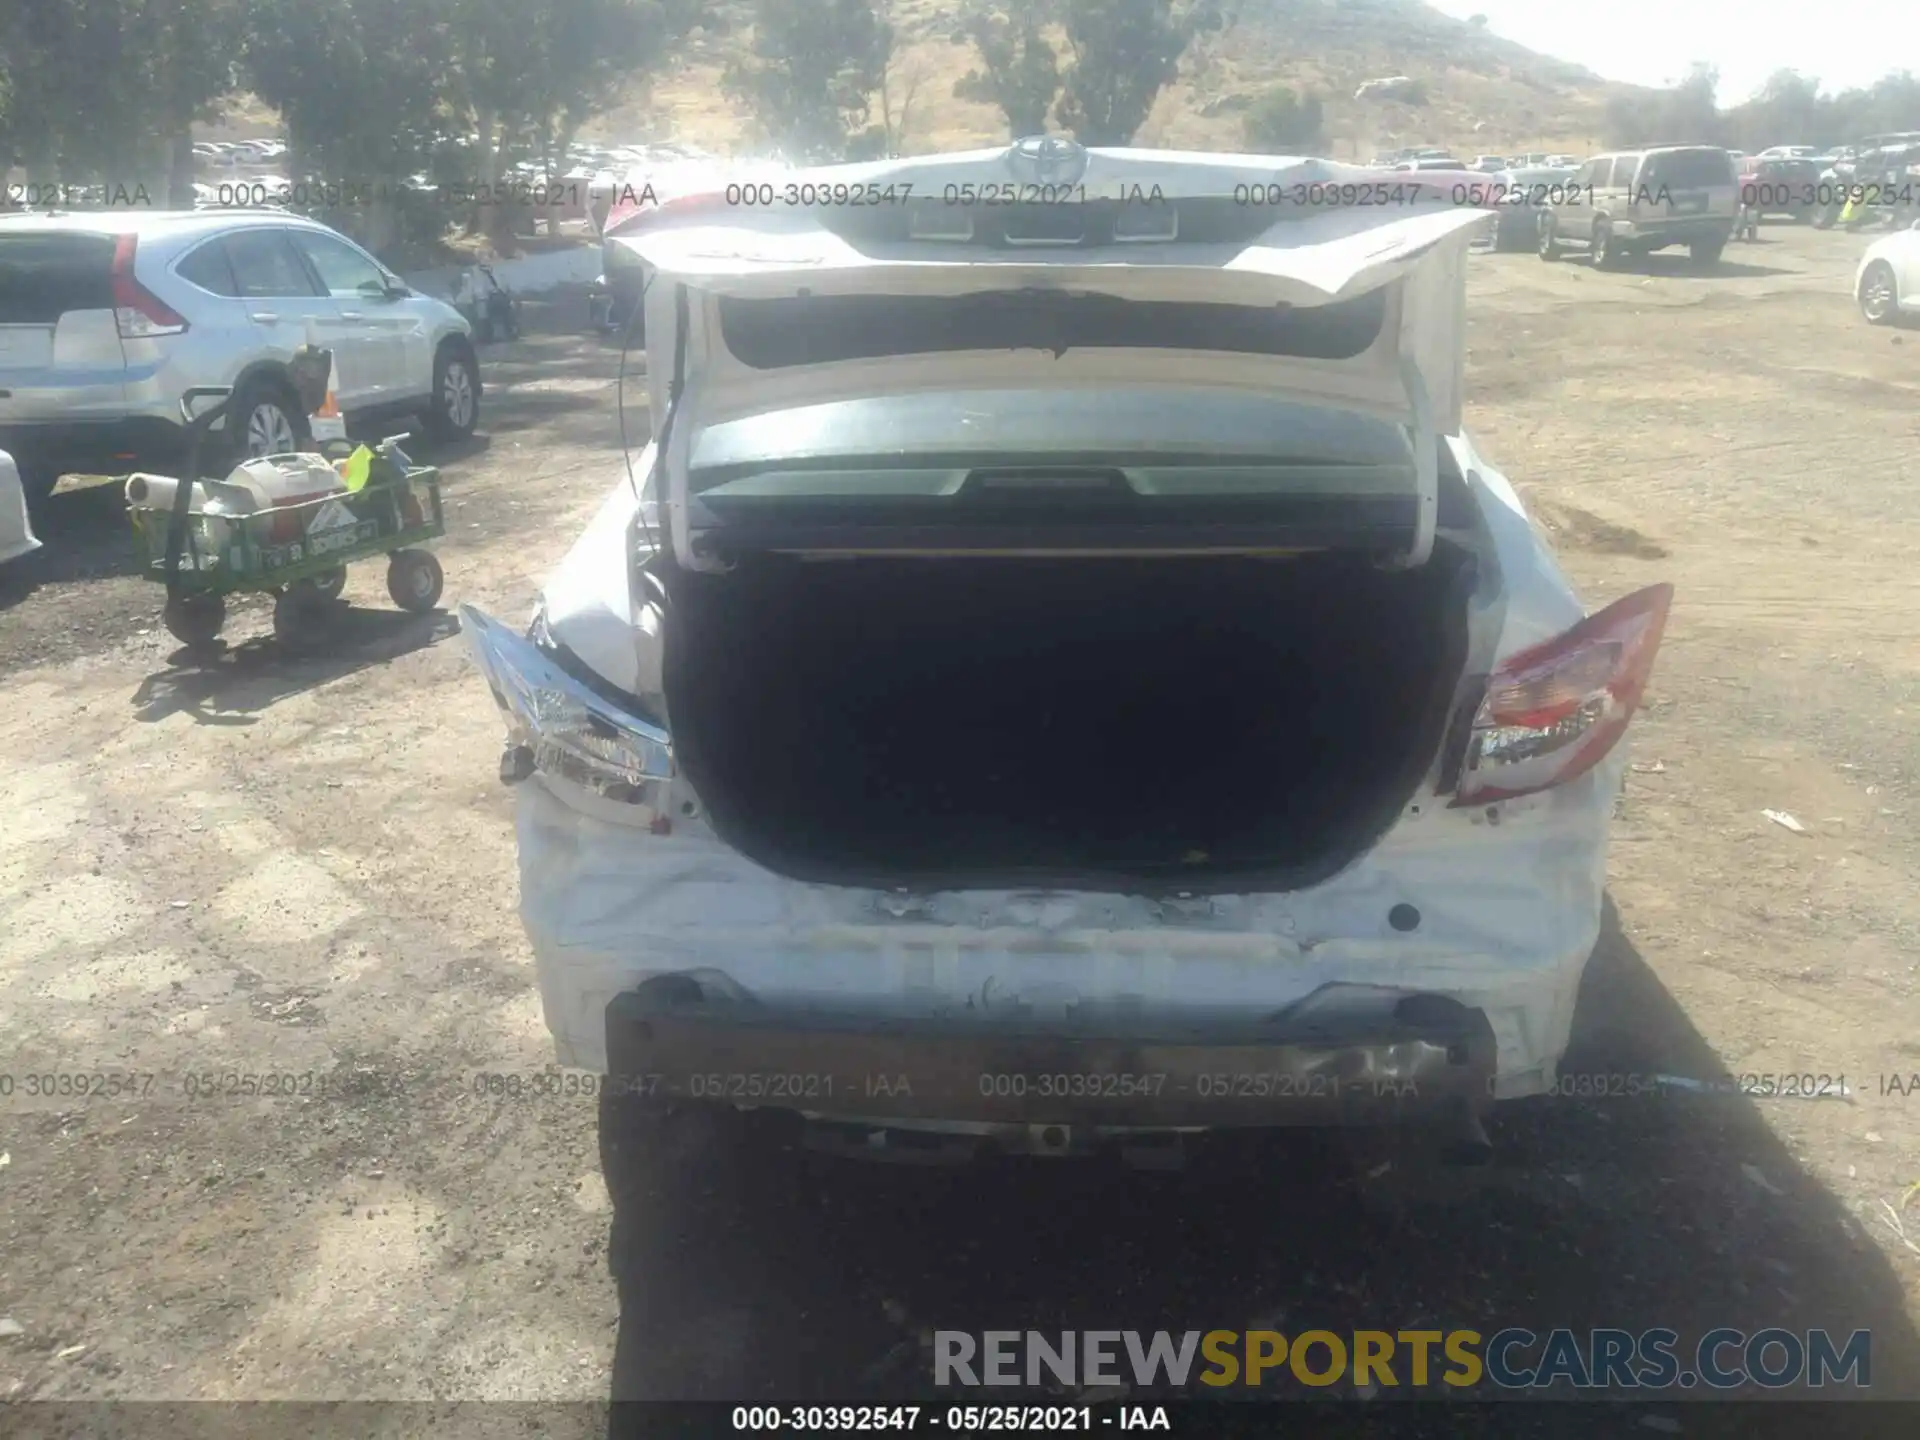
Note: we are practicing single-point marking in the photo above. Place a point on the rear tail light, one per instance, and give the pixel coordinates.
(565, 728)
(1552, 712)
(137, 311)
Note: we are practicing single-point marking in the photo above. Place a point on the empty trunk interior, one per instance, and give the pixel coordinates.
(1099, 723)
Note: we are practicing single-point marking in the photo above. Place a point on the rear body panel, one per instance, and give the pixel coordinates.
(1695, 203)
(1509, 902)
(1448, 955)
(61, 356)
(1509, 913)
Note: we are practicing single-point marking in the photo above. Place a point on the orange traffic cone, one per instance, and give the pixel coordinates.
(325, 423)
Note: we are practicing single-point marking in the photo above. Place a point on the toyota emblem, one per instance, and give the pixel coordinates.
(1047, 160)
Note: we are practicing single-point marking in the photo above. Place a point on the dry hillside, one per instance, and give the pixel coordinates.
(1485, 93)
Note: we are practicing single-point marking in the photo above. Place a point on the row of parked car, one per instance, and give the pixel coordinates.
(1628, 203)
(218, 155)
(1631, 203)
(1437, 158)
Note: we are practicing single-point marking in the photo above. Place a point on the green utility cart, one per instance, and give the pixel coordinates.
(296, 552)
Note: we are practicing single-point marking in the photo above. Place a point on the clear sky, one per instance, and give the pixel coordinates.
(1840, 43)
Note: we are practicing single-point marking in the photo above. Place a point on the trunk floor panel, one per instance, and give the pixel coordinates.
(1163, 718)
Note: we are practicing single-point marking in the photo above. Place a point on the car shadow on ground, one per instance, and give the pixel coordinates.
(424, 451)
(799, 1278)
(1681, 267)
(231, 685)
(83, 536)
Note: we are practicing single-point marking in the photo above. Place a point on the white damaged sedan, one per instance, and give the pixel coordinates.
(1063, 679)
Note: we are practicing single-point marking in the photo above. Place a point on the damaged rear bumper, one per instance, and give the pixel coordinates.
(849, 983)
(1342, 1055)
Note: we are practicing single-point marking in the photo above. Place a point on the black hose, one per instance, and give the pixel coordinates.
(197, 428)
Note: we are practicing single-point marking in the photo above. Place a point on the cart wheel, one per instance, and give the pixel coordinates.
(300, 615)
(414, 579)
(329, 583)
(195, 620)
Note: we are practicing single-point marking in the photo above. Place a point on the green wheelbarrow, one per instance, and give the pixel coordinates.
(205, 543)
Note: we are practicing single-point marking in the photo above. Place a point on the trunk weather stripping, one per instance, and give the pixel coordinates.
(679, 524)
(1426, 462)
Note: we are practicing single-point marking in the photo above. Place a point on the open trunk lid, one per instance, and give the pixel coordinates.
(1309, 287)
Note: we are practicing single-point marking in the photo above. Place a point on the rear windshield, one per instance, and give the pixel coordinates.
(45, 274)
(771, 334)
(1173, 441)
(1688, 168)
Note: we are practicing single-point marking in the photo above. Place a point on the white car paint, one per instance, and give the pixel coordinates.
(16, 526)
(1512, 910)
(1511, 893)
(1900, 252)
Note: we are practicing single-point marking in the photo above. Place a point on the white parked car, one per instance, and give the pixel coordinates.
(1887, 282)
(1067, 695)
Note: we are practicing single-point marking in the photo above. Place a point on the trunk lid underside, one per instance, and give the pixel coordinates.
(1339, 311)
(933, 618)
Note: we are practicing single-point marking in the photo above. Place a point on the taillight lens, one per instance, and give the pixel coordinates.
(566, 729)
(137, 311)
(1553, 711)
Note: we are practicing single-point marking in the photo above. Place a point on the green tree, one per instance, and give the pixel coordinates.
(1686, 113)
(593, 52)
(364, 88)
(1124, 53)
(108, 89)
(191, 50)
(1282, 123)
(1786, 110)
(1019, 73)
(527, 92)
(37, 48)
(1693, 108)
(810, 73)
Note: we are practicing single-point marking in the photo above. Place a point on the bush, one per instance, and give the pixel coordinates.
(1280, 122)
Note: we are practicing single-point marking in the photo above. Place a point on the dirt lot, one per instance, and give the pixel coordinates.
(293, 866)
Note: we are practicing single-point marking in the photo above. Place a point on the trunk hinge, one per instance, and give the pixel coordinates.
(679, 522)
(1426, 469)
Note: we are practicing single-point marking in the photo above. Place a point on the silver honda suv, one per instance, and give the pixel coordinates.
(107, 318)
